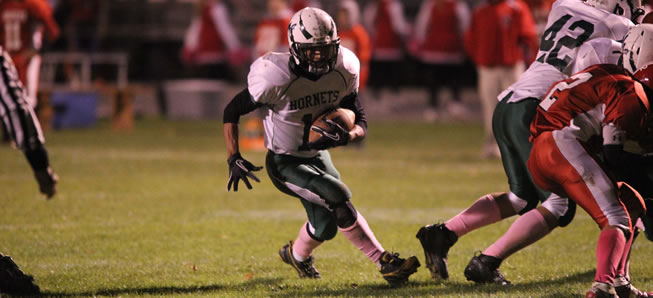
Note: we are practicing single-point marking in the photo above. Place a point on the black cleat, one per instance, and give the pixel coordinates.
(625, 289)
(396, 270)
(485, 269)
(13, 280)
(305, 268)
(436, 241)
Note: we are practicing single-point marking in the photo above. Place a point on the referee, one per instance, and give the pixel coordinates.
(22, 126)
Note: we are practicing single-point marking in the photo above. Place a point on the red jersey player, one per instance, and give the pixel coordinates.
(576, 121)
(20, 36)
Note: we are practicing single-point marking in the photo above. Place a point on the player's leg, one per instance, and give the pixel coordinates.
(355, 228)
(316, 182)
(320, 225)
(561, 164)
(511, 124)
(437, 239)
(635, 205)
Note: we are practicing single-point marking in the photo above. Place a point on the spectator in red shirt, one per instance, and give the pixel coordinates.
(211, 42)
(439, 34)
(501, 37)
(389, 30)
(272, 32)
(354, 37)
(22, 26)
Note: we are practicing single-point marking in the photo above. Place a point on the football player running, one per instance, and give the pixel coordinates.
(573, 27)
(591, 114)
(293, 89)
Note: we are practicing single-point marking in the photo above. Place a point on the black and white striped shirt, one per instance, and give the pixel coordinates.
(15, 113)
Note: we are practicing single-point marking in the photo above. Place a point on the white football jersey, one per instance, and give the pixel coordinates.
(597, 51)
(570, 24)
(291, 103)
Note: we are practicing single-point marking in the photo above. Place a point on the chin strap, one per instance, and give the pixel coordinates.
(300, 71)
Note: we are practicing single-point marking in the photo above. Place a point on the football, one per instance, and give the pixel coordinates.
(343, 117)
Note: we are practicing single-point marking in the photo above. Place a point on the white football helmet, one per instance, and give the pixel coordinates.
(630, 9)
(314, 41)
(637, 49)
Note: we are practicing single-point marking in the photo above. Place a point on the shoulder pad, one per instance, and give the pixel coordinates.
(268, 71)
(348, 62)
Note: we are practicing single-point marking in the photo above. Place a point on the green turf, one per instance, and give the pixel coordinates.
(147, 213)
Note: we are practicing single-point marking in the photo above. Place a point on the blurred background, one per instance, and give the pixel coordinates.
(185, 59)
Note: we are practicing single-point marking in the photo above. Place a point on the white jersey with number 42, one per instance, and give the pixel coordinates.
(570, 25)
(291, 103)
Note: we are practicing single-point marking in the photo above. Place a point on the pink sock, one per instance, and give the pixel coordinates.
(622, 268)
(609, 250)
(304, 245)
(362, 237)
(527, 229)
(482, 213)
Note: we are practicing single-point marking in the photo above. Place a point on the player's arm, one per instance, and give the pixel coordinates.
(24, 129)
(352, 102)
(629, 167)
(239, 168)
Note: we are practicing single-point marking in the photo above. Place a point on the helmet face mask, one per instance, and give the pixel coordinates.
(314, 41)
(316, 58)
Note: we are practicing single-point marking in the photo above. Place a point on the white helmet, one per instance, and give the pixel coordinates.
(314, 41)
(630, 9)
(637, 50)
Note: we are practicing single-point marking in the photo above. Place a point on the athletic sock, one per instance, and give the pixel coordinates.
(304, 245)
(483, 212)
(362, 237)
(609, 250)
(622, 267)
(526, 230)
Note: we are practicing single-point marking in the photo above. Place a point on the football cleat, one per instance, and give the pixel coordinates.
(485, 269)
(625, 289)
(436, 241)
(601, 290)
(13, 280)
(305, 269)
(396, 270)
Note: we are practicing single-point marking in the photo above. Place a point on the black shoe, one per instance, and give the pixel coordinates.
(13, 280)
(396, 270)
(625, 289)
(436, 241)
(485, 269)
(305, 268)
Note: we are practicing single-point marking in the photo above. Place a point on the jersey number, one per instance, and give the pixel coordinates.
(551, 47)
(573, 81)
(308, 122)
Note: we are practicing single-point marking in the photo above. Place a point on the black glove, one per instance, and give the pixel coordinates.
(47, 180)
(239, 168)
(331, 137)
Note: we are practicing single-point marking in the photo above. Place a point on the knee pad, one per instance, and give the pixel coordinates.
(324, 231)
(345, 214)
(520, 205)
(563, 209)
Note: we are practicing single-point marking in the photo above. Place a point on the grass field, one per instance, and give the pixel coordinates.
(147, 213)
